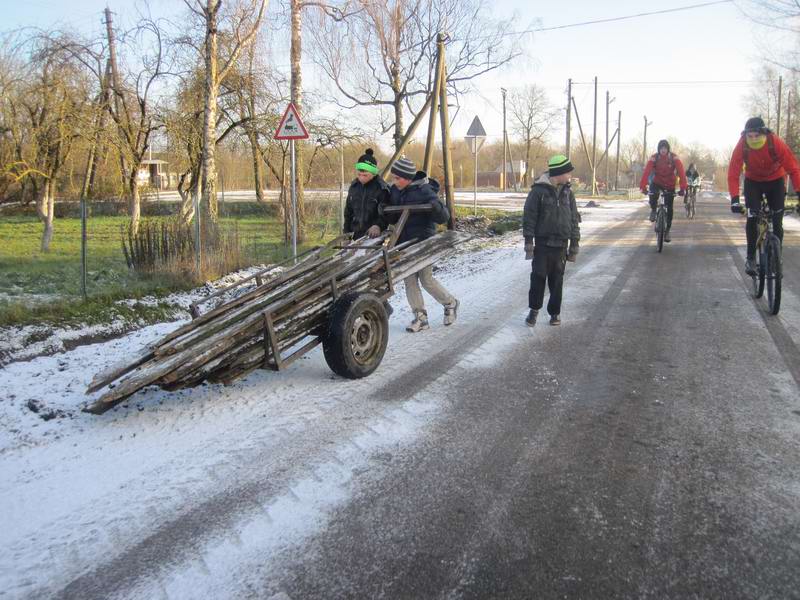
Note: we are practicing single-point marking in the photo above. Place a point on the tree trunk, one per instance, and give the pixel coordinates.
(134, 202)
(209, 168)
(296, 52)
(527, 176)
(398, 109)
(46, 211)
(257, 173)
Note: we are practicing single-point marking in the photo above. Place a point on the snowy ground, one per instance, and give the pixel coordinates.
(79, 490)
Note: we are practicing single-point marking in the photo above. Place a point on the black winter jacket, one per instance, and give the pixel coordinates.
(551, 215)
(420, 225)
(361, 210)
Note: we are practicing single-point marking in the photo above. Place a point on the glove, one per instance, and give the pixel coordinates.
(681, 192)
(644, 191)
(573, 252)
(735, 206)
(528, 251)
(798, 198)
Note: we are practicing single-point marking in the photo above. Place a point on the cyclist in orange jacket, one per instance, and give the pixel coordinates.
(767, 160)
(663, 170)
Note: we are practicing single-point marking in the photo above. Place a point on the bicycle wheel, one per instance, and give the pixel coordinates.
(759, 278)
(774, 274)
(692, 207)
(661, 227)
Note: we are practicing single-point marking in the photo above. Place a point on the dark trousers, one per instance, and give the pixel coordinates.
(547, 268)
(775, 193)
(669, 198)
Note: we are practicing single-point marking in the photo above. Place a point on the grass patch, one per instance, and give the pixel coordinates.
(37, 287)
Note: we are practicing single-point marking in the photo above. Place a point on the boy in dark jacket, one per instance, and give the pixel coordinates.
(365, 196)
(551, 221)
(414, 187)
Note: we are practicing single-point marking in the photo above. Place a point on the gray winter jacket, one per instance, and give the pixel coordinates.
(551, 215)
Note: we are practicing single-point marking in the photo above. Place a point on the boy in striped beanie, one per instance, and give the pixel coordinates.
(414, 187)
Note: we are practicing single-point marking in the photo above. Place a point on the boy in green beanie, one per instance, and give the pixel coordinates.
(552, 231)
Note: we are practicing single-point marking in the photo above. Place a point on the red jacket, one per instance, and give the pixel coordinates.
(760, 164)
(665, 172)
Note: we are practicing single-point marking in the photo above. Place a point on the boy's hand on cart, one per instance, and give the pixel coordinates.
(373, 231)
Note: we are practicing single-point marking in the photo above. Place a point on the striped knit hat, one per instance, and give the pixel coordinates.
(404, 168)
(558, 165)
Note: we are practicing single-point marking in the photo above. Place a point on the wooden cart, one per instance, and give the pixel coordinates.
(334, 295)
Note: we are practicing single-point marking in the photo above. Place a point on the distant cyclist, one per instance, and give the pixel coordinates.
(693, 181)
(767, 160)
(659, 175)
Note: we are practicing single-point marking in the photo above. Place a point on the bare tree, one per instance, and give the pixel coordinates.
(383, 55)
(134, 83)
(244, 19)
(532, 116)
(46, 100)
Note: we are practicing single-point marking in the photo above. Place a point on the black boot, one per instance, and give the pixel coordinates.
(530, 320)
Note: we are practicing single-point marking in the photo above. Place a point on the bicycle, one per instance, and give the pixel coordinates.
(769, 271)
(661, 221)
(691, 199)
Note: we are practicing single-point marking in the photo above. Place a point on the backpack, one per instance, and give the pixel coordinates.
(773, 154)
(654, 158)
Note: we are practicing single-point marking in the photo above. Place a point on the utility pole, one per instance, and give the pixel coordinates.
(619, 136)
(594, 142)
(609, 100)
(789, 118)
(569, 115)
(644, 142)
(780, 101)
(505, 144)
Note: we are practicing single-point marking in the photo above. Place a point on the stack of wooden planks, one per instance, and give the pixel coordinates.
(288, 311)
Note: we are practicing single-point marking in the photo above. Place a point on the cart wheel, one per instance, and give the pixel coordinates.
(357, 335)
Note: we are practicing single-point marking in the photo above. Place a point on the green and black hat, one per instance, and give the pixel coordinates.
(366, 162)
(558, 165)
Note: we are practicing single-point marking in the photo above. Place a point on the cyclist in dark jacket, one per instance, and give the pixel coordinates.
(364, 198)
(551, 220)
(414, 187)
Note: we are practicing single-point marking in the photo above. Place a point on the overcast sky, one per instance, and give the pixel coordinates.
(639, 61)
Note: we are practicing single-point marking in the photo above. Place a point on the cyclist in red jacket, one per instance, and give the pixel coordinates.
(660, 174)
(767, 160)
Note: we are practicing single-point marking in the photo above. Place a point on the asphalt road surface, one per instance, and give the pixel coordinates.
(647, 448)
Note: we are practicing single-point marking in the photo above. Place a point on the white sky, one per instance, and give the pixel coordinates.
(714, 43)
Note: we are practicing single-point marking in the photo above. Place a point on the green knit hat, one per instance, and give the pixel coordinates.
(366, 162)
(558, 165)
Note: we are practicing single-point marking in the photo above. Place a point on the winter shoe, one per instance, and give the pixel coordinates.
(750, 267)
(555, 320)
(652, 215)
(451, 312)
(530, 320)
(419, 323)
(666, 236)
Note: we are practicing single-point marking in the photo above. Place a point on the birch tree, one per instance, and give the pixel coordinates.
(244, 20)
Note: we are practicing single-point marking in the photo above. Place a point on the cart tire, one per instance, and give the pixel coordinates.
(357, 335)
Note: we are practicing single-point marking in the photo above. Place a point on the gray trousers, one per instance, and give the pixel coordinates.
(433, 287)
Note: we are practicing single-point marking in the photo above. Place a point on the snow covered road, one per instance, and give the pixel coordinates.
(302, 484)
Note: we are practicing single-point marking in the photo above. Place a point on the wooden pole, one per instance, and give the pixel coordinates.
(435, 93)
(409, 134)
(447, 158)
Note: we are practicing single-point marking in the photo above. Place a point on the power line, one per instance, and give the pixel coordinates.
(626, 17)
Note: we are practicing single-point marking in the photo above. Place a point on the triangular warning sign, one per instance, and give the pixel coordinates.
(476, 129)
(291, 126)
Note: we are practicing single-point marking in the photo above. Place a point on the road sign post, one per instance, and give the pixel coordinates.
(476, 135)
(291, 128)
